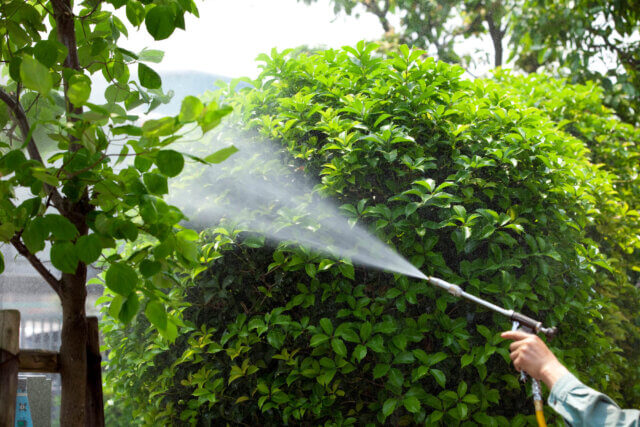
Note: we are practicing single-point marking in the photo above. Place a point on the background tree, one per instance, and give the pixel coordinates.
(439, 26)
(86, 197)
(592, 40)
(583, 40)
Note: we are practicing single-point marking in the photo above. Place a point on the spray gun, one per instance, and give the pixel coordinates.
(519, 320)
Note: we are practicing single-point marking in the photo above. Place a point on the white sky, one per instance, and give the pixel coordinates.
(230, 34)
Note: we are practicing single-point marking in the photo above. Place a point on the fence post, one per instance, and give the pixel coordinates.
(94, 412)
(9, 348)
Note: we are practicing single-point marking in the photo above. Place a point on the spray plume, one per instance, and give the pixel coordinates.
(257, 189)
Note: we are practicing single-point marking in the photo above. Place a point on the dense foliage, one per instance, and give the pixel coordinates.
(582, 39)
(488, 184)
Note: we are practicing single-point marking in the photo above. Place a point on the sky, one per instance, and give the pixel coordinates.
(229, 34)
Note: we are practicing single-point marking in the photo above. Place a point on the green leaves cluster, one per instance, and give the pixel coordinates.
(470, 182)
(102, 169)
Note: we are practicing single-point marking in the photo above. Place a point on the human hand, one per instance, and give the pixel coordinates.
(530, 354)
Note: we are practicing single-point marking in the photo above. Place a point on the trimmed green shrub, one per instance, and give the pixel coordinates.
(470, 182)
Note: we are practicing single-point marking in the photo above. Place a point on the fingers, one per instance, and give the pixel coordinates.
(517, 361)
(515, 335)
(517, 344)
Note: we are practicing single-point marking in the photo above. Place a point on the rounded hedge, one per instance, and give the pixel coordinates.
(468, 180)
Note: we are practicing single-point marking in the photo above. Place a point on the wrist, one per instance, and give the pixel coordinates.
(552, 372)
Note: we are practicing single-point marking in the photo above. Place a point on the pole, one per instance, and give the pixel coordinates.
(9, 348)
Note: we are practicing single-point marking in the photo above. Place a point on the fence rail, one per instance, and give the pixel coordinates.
(13, 359)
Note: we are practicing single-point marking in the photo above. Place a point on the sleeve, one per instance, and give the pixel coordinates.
(580, 405)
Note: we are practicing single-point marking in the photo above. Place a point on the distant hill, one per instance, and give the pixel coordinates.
(182, 83)
(185, 83)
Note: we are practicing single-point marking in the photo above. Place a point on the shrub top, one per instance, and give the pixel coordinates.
(464, 179)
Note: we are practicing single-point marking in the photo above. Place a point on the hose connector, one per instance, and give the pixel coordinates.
(532, 324)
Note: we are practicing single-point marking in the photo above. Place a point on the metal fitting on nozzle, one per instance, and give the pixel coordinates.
(454, 290)
(533, 324)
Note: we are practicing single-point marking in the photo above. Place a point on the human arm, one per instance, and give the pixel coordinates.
(578, 404)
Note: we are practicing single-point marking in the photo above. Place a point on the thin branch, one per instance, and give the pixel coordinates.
(94, 10)
(88, 168)
(37, 264)
(20, 117)
(45, 7)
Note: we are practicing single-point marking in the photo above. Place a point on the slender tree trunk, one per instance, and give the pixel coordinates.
(493, 18)
(73, 295)
(73, 351)
(497, 46)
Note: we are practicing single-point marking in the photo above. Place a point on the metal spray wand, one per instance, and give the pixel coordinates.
(528, 325)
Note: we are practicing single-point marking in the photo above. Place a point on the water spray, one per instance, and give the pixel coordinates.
(520, 321)
(261, 195)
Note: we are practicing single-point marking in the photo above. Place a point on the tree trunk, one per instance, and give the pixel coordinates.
(494, 21)
(73, 351)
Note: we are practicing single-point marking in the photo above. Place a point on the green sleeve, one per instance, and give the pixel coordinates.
(580, 405)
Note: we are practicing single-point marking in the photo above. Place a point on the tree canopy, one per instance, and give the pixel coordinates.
(72, 159)
(583, 40)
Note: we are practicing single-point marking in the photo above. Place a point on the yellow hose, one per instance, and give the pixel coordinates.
(539, 413)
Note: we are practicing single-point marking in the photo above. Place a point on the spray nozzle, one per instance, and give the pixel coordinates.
(527, 322)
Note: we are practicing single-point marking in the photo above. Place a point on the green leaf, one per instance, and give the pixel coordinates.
(1, 263)
(159, 127)
(347, 271)
(221, 155)
(169, 162)
(212, 116)
(135, 12)
(338, 347)
(89, 248)
(187, 248)
(389, 406)
(116, 306)
(439, 377)
(396, 378)
(35, 76)
(61, 227)
(121, 278)
(151, 55)
(318, 339)
(365, 330)
(160, 22)
(412, 404)
(191, 109)
(7, 231)
(148, 78)
(156, 314)
(326, 325)
(149, 268)
(4, 115)
(376, 344)
(63, 257)
(471, 398)
(156, 183)
(79, 89)
(380, 370)
(129, 308)
(46, 52)
(35, 234)
(466, 359)
(360, 352)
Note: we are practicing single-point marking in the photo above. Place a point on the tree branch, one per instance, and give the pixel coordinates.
(20, 117)
(37, 264)
(373, 7)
